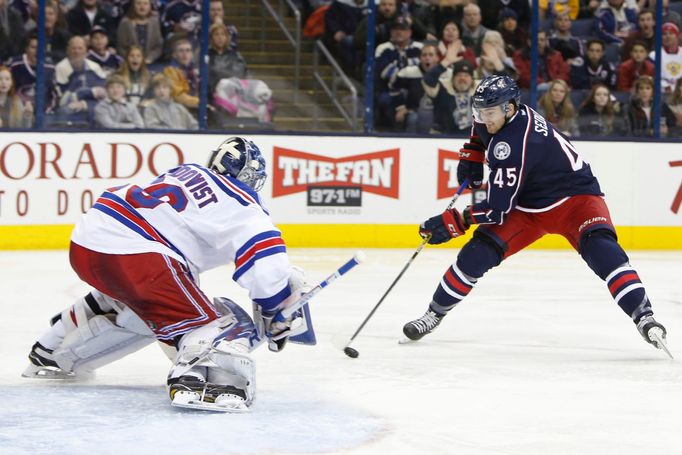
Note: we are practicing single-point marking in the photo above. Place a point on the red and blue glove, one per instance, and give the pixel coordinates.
(441, 228)
(471, 159)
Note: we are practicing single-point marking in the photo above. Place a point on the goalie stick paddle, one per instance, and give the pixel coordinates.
(286, 312)
(353, 353)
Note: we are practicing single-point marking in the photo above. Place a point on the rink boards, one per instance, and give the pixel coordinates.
(322, 191)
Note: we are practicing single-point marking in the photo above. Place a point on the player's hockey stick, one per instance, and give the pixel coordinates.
(353, 353)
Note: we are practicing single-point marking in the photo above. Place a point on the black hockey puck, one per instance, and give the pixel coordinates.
(350, 352)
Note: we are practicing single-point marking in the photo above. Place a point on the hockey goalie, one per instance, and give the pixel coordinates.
(142, 250)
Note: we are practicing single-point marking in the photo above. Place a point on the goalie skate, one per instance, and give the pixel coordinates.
(189, 393)
(42, 366)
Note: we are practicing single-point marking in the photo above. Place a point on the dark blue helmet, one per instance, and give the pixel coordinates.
(495, 90)
(240, 159)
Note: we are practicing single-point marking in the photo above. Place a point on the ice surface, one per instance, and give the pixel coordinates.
(538, 360)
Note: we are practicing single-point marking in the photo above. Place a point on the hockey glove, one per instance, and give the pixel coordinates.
(471, 158)
(276, 327)
(441, 228)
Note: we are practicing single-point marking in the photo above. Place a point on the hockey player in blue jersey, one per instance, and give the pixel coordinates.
(538, 184)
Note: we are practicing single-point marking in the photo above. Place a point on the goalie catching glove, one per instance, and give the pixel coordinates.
(448, 225)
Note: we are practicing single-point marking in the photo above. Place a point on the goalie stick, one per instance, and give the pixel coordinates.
(353, 353)
(287, 312)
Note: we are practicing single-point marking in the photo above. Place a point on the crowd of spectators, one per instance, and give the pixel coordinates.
(109, 59)
(119, 64)
(595, 68)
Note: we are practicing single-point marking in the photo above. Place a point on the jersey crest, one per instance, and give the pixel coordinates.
(502, 151)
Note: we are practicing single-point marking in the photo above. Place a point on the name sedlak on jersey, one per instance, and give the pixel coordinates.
(376, 172)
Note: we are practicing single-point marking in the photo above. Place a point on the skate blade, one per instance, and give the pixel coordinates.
(406, 340)
(661, 344)
(192, 400)
(36, 372)
(211, 407)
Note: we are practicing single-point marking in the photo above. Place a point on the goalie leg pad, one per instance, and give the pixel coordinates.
(217, 356)
(93, 340)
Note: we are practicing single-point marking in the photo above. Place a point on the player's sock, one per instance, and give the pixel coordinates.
(453, 287)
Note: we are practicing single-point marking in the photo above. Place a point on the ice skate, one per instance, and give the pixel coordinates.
(42, 366)
(191, 393)
(415, 330)
(653, 332)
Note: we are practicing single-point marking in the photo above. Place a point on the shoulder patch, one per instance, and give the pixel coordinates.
(502, 151)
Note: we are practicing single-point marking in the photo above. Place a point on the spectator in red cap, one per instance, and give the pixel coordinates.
(671, 57)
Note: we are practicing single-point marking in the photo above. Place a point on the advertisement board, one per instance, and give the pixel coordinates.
(321, 191)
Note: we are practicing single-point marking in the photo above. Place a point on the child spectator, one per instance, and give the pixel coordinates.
(407, 92)
(14, 113)
(639, 113)
(115, 112)
(593, 69)
(452, 113)
(450, 37)
(163, 112)
(472, 30)
(634, 67)
(183, 75)
(101, 53)
(514, 37)
(671, 57)
(140, 27)
(615, 21)
(556, 106)
(136, 77)
(599, 114)
(493, 59)
(563, 41)
(550, 64)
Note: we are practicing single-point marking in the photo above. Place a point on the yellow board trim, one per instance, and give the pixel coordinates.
(38, 237)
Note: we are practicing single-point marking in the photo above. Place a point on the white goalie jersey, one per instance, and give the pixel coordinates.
(198, 217)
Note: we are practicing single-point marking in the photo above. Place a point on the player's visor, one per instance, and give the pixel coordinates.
(493, 114)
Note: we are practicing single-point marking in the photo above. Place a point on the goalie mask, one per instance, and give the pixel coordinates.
(240, 159)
